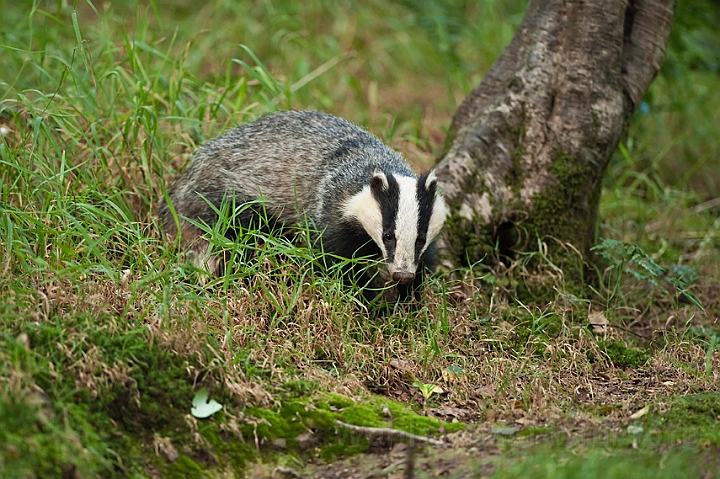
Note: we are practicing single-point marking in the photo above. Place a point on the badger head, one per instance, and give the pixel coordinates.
(402, 215)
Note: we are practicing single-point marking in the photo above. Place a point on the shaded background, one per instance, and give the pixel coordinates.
(399, 68)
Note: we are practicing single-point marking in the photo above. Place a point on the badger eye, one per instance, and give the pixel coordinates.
(420, 240)
(387, 237)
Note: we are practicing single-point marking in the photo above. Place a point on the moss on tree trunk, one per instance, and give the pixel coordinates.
(528, 147)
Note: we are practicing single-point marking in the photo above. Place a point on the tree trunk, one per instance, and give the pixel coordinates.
(527, 149)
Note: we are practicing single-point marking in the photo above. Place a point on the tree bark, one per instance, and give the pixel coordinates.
(527, 149)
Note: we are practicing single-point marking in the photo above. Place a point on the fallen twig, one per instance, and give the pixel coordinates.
(391, 433)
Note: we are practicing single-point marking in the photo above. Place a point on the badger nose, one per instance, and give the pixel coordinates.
(403, 277)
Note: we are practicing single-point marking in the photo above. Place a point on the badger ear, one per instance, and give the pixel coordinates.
(431, 181)
(379, 181)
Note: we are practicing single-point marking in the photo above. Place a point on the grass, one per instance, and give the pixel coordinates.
(106, 332)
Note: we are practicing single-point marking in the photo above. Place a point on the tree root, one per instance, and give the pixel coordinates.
(395, 435)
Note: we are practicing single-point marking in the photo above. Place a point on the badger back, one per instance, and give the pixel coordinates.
(283, 157)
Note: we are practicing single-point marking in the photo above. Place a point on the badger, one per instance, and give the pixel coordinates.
(360, 195)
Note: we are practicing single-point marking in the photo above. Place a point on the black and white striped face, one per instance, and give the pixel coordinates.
(402, 215)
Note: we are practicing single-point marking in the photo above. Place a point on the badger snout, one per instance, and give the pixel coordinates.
(403, 277)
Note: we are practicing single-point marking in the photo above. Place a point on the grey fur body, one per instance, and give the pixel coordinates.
(302, 163)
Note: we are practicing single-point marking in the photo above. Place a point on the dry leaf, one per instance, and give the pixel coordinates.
(485, 391)
(598, 321)
(640, 413)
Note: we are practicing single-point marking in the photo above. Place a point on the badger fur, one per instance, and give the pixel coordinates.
(362, 196)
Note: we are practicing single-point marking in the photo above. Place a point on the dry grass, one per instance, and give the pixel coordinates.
(532, 362)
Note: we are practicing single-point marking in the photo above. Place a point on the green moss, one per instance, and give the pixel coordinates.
(564, 210)
(294, 417)
(516, 174)
(165, 392)
(339, 401)
(114, 429)
(309, 414)
(380, 412)
(466, 242)
(234, 452)
(332, 400)
(363, 415)
(34, 443)
(155, 397)
(535, 431)
(302, 415)
(184, 467)
(625, 356)
(350, 445)
(320, 414)
(691, 419)
(425, 426)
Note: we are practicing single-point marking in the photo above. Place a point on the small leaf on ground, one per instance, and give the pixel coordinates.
(640, 413)
(485, 390)
(203, 408)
